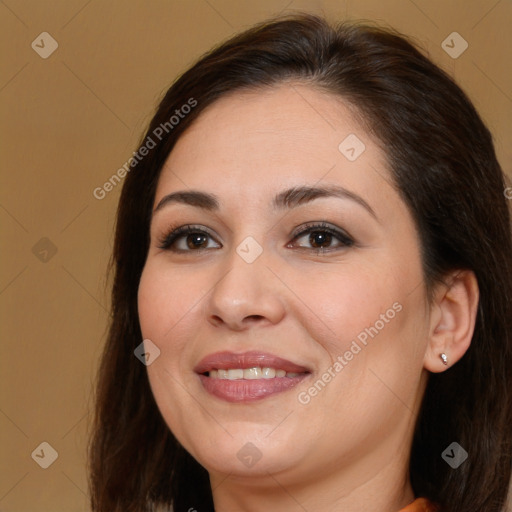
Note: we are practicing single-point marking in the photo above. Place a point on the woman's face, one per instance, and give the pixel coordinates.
(324, 284)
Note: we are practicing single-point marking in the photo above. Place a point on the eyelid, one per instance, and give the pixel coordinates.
(311, 227)
(318, 224)
(174, 232)
(177, 231)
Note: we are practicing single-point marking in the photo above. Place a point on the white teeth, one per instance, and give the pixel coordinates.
(250, 373)
(234, 374)
(268, 373)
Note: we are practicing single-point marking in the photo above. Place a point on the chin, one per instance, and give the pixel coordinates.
(238, 456)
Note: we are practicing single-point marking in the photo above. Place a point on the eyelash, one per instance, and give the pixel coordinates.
(174, 234)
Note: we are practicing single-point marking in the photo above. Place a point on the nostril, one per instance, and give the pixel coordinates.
(217, 319)
(254, 317)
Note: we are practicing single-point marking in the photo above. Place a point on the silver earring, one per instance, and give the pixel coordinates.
(444, 359)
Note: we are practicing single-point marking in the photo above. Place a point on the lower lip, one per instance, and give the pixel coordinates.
(249, 390)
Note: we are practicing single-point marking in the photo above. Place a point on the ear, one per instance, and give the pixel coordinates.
(452, 320)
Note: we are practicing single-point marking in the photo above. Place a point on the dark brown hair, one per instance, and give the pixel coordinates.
(443, 163)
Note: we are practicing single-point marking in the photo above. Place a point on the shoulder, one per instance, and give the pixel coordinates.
(420, 505)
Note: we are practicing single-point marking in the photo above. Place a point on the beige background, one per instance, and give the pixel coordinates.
(69, 122)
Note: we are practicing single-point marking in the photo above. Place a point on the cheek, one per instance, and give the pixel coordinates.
(369, 322)
(372, 330)
(165, 298)
(168, 303)
(339, 305)
(169, 306)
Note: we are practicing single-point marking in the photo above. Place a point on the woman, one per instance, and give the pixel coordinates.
(314, 244)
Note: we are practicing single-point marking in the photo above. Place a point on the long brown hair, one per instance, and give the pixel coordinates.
(443, 163)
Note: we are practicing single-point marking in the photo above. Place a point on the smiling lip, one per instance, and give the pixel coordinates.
(247, 390)
(230, 360)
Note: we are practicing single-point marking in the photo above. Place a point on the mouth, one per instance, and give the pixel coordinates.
(249, 376)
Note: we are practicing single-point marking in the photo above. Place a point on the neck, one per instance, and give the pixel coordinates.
(385, 487)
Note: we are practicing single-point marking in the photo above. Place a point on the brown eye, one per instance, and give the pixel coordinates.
(197, 241)
(322, 237)
(186, 239)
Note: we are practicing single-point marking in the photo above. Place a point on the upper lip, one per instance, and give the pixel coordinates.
(227, 360)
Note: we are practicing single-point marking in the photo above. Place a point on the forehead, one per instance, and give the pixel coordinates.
(256, 142)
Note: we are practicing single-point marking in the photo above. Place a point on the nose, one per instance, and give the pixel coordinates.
(247, 294)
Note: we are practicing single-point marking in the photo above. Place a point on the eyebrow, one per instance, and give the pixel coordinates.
(290, 198)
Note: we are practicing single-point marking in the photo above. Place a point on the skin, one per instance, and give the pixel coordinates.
(349, 446)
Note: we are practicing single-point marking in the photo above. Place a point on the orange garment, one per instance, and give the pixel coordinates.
(420, 505)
